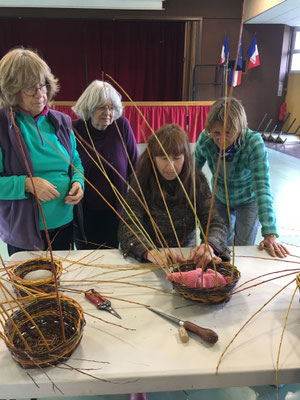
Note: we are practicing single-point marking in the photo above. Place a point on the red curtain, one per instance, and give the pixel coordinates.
(156, 116)
(67, 110)
(144, 57)
(197, 117)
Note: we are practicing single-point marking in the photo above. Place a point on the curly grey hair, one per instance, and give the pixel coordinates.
(95, 96)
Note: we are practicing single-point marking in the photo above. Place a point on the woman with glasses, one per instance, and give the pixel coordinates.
(108, 151)
(247, 175)
(36, 148)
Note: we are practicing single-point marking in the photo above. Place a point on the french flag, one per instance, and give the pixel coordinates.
(235, 77)
(224, 51)
(253, 54)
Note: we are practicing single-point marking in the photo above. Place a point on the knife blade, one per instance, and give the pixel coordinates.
(208, 335)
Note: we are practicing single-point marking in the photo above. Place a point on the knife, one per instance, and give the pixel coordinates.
(204, 333)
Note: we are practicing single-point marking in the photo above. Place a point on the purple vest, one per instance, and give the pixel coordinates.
(19, 219)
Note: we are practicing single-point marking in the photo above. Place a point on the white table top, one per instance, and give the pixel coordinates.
(151, 357)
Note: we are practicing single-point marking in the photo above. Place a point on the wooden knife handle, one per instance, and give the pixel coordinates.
(206, 334)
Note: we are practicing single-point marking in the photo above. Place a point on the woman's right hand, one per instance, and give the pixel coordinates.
(44, 189)
(164, 257)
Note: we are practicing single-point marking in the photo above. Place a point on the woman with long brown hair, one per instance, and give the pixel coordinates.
(166, 159)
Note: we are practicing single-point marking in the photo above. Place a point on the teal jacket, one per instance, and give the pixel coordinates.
(249, 178)
(20, 222)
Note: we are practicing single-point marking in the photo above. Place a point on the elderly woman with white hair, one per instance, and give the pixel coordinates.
(103, 128)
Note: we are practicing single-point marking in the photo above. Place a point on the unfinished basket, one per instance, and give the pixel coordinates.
(213, 295)
(47, 285)
(34, 334)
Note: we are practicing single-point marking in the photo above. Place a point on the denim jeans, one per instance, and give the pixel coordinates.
(244, 221)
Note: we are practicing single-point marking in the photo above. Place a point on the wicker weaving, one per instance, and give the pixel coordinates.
(34, 334)
(213, 295)
(19, 272)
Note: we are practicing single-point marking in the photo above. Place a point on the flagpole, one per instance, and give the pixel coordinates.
(237, 51)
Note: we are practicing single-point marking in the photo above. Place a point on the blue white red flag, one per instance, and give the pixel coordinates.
(235, 78)
(253, 54)
(224, 51)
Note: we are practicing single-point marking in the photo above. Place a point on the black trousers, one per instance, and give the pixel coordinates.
(61, 239)
(101, 229)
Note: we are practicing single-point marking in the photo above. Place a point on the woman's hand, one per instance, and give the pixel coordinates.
(201, 257)
(273, 247)
(75, 194)
(44, 189)
(164, 257)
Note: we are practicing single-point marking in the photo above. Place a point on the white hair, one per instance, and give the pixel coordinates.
(96, 95)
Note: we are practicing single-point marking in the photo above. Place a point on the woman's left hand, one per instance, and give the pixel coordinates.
(75, 194)
(201, 256)
(275, 248)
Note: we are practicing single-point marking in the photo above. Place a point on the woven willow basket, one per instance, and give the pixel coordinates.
(19, 271)
(209, 295)
(42, 332)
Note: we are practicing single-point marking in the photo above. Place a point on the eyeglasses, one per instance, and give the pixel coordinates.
(33, 90)
(108, 107)
(218, 134)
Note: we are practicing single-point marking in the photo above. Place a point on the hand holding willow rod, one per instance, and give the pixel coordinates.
(164, 257)
(201, 255)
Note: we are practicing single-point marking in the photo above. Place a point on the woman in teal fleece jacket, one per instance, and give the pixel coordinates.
(26, 86)
(247, 175)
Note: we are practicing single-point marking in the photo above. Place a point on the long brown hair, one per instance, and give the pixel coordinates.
(175, 142)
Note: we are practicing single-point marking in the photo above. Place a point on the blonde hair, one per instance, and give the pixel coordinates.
(21, 69)
(95, 96)
(236, 116)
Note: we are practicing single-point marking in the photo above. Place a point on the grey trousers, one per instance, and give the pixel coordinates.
(244, 221)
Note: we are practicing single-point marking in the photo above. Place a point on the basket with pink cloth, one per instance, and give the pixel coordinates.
(211, 285)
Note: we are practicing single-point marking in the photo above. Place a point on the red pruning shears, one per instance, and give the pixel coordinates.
(101, 302)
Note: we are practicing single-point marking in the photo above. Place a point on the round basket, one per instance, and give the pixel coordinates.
(47, 285)
(209, 295)
(42, 332)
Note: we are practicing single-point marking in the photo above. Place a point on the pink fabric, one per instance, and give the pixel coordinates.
(193, 278)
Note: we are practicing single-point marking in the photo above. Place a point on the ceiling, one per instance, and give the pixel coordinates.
(287, 12)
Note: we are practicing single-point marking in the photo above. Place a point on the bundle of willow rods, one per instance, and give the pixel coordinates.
(34, 333)
(47, 285)
(214, 295)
